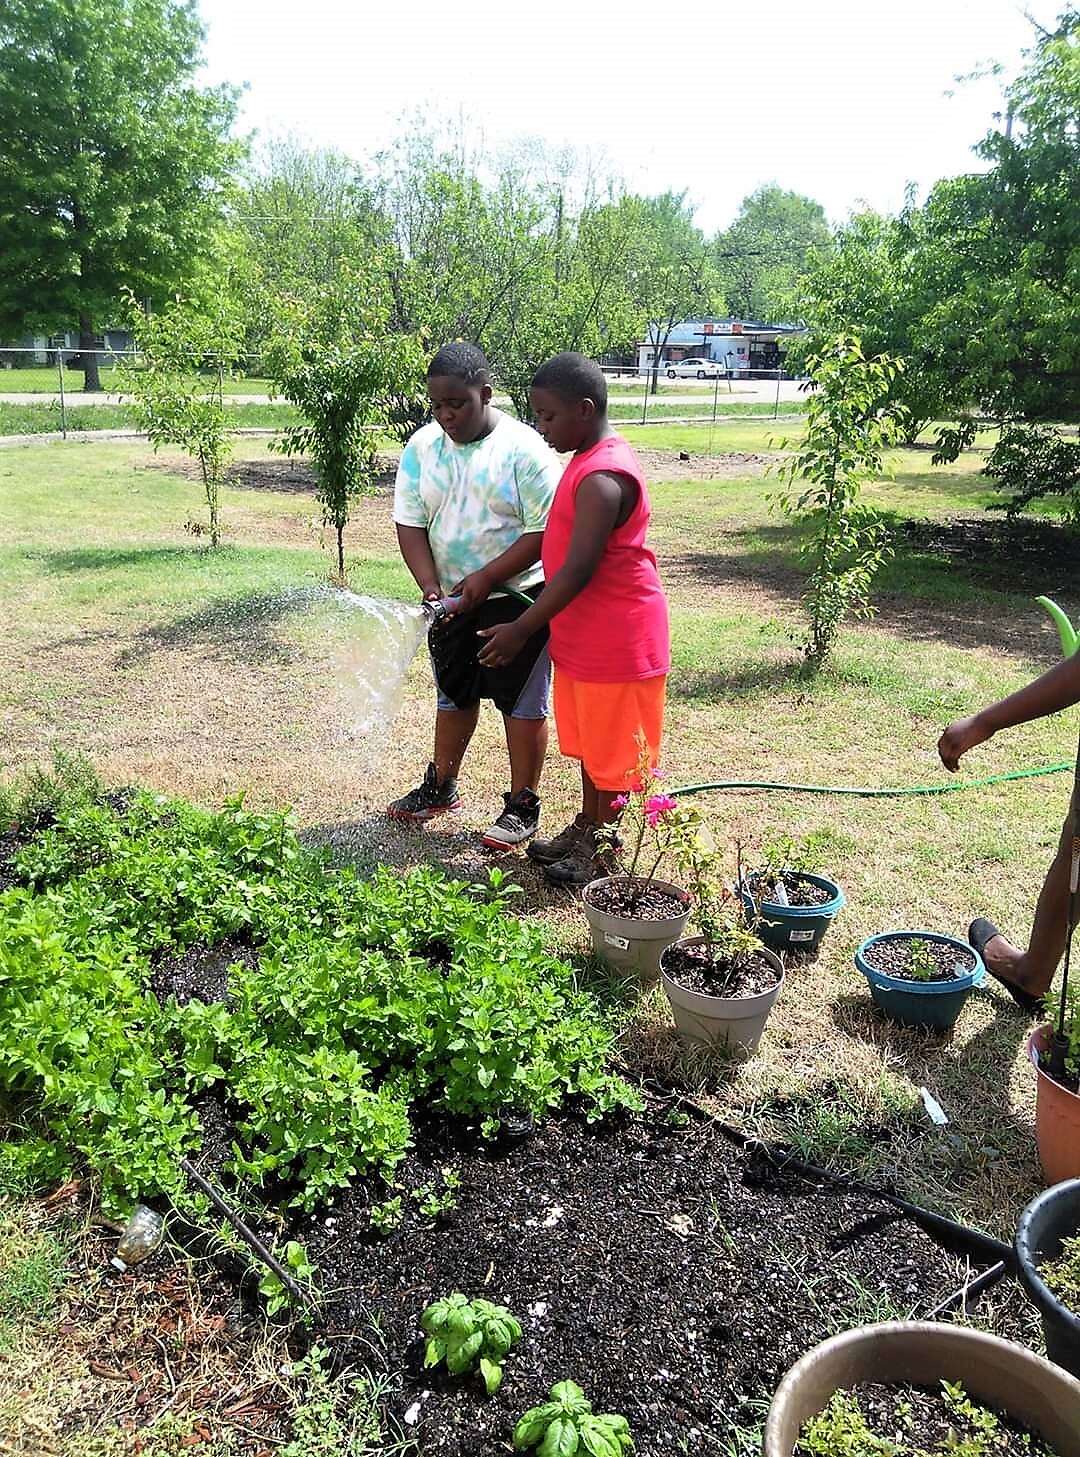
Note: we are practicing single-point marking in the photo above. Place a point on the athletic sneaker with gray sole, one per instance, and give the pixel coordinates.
(519, 820)
(427, 800)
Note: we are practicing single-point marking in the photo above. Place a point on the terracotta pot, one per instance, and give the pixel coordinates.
(634, 946)
(734, 1023)
(1057, 1117)
(993, 1372)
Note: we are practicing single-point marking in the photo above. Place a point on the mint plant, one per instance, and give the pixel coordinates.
(273, 1288)
(322, 1047)
(566, 1425)
(469, 1335)
(921, 963)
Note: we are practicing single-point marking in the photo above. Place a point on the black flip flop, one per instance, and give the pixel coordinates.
(979, 933)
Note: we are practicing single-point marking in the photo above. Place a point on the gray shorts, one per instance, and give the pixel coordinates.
(532, 701)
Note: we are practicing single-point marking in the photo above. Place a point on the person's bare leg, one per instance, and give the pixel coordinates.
(454, 727)
(1033, 969)
(526, 743)
(590, 799)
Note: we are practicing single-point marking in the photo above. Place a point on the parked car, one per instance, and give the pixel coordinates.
(693, 369)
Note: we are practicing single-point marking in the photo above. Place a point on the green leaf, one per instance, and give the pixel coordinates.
(434, 1351)
(561, 1439)
(492, 1373)
(532, 1426)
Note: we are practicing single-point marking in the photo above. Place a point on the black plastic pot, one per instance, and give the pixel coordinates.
(1047, 1220)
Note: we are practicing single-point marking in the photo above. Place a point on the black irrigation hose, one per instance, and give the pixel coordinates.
(250, 1238)
(949, 1233)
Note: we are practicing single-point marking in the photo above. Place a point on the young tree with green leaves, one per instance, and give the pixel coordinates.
(846, 435)
(336, 359)
(176, 384)
(765, 251)
(113, 165)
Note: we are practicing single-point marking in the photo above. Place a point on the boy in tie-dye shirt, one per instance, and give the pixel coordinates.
(471, 501)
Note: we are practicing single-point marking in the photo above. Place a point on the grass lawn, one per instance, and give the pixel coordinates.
(45, 418)
(40, 380)
(198, 673)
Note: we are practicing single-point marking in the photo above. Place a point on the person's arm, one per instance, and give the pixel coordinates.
(1057, 689)
(477, 587)
(599, 502)
(416, 550)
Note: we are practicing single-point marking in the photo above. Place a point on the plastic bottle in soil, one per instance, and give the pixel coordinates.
(140, 1238)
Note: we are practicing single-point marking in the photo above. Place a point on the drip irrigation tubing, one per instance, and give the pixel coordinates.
(871, 793)
(953, 1236)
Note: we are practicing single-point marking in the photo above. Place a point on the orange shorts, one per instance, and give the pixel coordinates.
(600, 724)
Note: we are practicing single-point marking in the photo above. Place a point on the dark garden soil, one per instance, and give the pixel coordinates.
(637, 901)
(651, 1264)
(10, 844)
(1017, 556)
(647, 1259)
(799, 890)
(201, 971)
(693, 968)
(915, 1420)
(894, 959)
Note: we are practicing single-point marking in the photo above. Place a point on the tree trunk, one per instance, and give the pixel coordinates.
(341, 551)
(91, 373)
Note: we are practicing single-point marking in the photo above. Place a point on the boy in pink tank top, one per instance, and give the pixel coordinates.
(606, 608)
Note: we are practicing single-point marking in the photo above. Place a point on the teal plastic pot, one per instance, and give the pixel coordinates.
(795, 928)
(934, 1004)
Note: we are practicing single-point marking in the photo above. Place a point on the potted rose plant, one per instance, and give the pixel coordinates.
(722, 984)
(632, 914)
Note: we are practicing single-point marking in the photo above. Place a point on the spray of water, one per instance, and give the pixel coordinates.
(375, 657)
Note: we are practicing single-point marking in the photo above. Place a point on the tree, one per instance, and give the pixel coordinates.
(336, 358)
(113, 164)
(879, 280)
(670, 274)
(845, 437)
(300, 216)
(176, 388)
(764, 252)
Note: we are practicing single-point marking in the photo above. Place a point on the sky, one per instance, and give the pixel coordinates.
(845, 101)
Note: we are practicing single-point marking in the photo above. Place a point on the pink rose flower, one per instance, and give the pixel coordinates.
(656, 806)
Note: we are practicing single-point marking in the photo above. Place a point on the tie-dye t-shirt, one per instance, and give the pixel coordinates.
(475, 500)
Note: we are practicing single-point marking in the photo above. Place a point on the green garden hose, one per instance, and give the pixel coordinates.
(870, 793)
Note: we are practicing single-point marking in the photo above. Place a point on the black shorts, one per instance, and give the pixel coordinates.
(455, 656)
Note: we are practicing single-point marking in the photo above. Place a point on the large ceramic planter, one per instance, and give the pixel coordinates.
(934, 1004)
(1057, 1117)
(734, 1024)
(1047, 1220)
(634, 946)
(993, 1372)
(795, 928)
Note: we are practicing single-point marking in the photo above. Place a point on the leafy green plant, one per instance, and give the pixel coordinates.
(921, 963)
(1062, 1274)
(842, 1430)
(327, 1038)
(566, 1425)
(387, 1215)
(847, 432)
(469, 1335)
(273, 1288)
(434, 1202)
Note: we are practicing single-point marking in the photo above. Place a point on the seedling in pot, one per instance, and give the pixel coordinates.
(469, 1335)
(566, 1425)
(921, 962)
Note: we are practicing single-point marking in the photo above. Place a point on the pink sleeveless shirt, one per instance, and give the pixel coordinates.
(616, 629)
